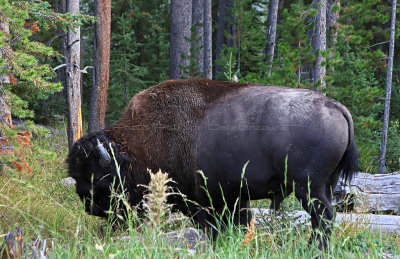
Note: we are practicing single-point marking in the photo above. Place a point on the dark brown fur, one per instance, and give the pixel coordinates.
(163, 119)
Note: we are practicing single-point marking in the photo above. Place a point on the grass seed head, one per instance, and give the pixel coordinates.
(155, 201)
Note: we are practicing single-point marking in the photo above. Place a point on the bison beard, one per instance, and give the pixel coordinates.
(184, 126)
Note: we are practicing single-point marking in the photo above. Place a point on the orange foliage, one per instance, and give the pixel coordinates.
(24, 139)
(251, 230)
(34, 27)
(20, 163)
(13, 80)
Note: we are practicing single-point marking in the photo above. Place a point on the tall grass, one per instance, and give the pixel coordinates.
(41, 206)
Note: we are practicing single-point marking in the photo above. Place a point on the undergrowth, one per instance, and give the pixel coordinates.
(41, 206)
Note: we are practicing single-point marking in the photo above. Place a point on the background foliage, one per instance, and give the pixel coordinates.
(356, 61)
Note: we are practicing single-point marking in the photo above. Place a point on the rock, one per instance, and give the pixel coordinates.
(188, 238)
(193, 241)
(68, 182)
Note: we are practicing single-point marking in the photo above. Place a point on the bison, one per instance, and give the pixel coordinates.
(291, 140)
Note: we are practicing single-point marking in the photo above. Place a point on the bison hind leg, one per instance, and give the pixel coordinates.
(318, 205)
(244, 215)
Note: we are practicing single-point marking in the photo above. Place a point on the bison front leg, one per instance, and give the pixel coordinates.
(205, 219)
(319, 207)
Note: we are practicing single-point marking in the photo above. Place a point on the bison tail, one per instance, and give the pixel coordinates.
(349, 163)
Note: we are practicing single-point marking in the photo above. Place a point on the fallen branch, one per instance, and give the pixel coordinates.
(370, 193)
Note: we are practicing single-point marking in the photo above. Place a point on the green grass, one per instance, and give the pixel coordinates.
(41, 206)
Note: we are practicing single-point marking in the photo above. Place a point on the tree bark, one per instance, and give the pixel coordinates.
(220, 32)
(272, 21)
(331, 22)
(320, 44)
(372, 193)
(230, 25)
(61, 73)
(102, 42)
(5, 109)
(198, 36)
(388, 91)
(207, 39)
(74, 128)
(383, 223)
(332, 26)
(181, 21)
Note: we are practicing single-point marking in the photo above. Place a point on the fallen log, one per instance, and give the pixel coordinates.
(370, 193)
(383, 223)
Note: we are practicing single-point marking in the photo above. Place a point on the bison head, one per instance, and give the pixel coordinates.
(92, 165)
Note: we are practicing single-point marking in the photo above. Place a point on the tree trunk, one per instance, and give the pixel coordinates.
(388, 91)
(102, 41)
(207, 39)
(272, 21)
(220, 32)
(230, 25)
(181, 21)
(5, 110)
(332, 20)
(382, 223)
(320, 44)
(61, 73)
(372, 193)
(198, 35)
(74, 129)
(331, 24)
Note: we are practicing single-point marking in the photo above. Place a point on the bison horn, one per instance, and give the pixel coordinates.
(105, 158)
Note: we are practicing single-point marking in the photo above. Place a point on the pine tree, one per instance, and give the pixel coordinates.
(26, 60)
(247, 48)
(140, 52)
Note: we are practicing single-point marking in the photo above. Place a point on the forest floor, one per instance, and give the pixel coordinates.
(42, 207)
